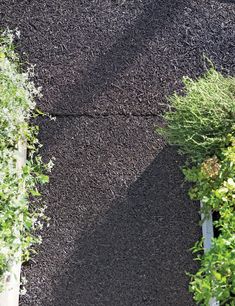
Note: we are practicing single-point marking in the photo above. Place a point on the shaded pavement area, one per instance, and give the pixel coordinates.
(121, 221)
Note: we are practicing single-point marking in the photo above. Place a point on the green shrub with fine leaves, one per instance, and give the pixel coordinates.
(200, 119)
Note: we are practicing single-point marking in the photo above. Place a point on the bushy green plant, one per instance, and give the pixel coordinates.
(216, 277)
(213, 178)
(17, 104)
(203, 116)
(215, 187)
(202, 124)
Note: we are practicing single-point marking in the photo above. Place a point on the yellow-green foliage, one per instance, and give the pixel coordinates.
(203, 116)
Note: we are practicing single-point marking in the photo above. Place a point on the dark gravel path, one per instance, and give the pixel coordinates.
(121, 222)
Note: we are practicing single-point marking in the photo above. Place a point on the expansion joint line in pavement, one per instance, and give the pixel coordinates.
(103, 115)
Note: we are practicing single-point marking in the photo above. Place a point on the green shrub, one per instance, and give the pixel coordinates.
(201, 118)
(17, 102)
(216, 277)
(202, 124)
(215, 187)
(213, 179)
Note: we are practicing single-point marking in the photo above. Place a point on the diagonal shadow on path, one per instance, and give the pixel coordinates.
(138, 252)
(155, 17)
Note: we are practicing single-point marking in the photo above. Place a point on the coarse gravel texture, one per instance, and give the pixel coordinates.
(119, 56)
(121, 222)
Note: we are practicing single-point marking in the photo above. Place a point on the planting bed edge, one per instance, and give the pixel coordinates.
(208, 234)
(10, 295)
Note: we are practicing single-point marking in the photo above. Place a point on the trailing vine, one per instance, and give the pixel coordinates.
(21, 214)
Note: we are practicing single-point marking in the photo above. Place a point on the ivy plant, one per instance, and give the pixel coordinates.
(21, 214)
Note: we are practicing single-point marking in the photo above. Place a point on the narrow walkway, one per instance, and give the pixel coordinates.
(121, 222)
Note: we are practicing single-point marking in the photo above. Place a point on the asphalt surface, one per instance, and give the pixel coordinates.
(121, 222)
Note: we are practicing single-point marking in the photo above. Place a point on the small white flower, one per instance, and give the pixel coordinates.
(17, 33)
(23, 291)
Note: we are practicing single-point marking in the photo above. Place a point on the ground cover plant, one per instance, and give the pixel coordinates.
(201, 122)
(18, 220)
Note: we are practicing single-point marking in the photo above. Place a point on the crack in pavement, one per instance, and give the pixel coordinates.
(100, 115)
